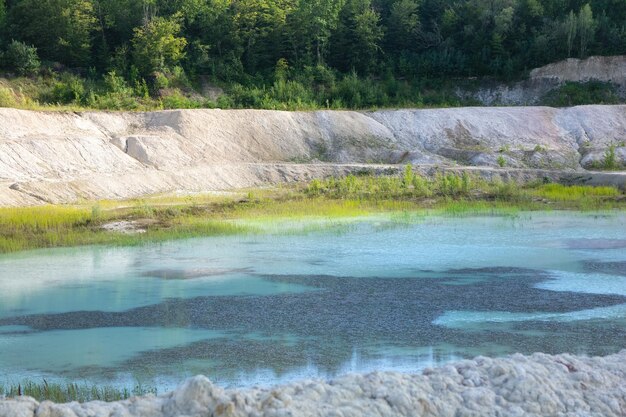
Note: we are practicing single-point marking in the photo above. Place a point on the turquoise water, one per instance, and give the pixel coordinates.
(264, 309)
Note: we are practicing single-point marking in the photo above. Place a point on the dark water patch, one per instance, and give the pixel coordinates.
(354, 307)
(595, 243)
(348, 314)
(497, 271)
(187, 274)
(226, 356)
(593, 337)
(610, 268)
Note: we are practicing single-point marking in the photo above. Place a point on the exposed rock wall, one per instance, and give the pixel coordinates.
(63, 157)
(537, 385)
(601, 68)
(608, 69)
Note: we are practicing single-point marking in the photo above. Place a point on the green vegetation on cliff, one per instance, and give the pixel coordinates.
(289, 54)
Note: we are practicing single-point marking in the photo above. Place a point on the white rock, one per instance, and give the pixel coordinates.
(538, 385)
(64, 157)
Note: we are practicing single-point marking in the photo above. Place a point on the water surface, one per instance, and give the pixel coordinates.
(263, 309)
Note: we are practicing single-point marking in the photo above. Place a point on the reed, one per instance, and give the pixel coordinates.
(68, 392)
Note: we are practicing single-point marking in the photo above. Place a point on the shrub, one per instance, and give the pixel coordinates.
(176, 100)
(113, 102)
(421, 186)
(609, 162)
(161, 81)
(575, 94)
(22, 58)
(452, 185)
(68, 89)
(358, 93)
(291, 94)
(7, 97)
(117, 95)
(501, 161)
(408, 177)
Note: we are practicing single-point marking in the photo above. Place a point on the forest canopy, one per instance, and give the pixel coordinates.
(148, 45)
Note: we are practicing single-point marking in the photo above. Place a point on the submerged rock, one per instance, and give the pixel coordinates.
(537, 385)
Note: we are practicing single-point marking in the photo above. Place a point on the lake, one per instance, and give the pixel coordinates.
(378, 293)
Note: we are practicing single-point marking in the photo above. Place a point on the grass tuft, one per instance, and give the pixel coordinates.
(65, 393)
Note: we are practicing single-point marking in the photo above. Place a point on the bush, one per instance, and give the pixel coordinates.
(175, 100)
(407, 185)
(7, 98)
(576, 94)
(609, 162)
(117, 95)
(22, 58)
(69, 89)
(358, 93)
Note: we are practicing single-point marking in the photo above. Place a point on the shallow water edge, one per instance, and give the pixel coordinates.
(536, 385)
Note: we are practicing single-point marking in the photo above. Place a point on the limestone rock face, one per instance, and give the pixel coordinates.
(600, 68)
(546, 79)
(64, 157)
(537, 385)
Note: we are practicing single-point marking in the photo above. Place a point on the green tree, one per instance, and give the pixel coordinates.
(117, 19)
(257, 24)
(533, 8)
(157, 46)
(22, 58)
(586, 28)
(503, 21)
(3, 15)
(570, 27)
(358, 38)
(310, 26)
(404, 25)
(61, 30)
(208, 26)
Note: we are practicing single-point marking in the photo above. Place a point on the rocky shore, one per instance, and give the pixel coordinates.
(537, 385)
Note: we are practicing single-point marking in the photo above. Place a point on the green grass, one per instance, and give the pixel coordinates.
(558, 192)
(319, 204)
(64, 393)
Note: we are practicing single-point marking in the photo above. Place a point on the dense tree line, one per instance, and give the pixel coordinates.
(259, 42)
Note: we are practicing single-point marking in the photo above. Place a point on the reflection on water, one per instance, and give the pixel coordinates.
(265, 309)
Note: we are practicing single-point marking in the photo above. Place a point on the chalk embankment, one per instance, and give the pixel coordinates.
(59, 157)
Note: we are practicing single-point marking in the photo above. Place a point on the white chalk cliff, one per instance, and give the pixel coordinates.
(63, 157)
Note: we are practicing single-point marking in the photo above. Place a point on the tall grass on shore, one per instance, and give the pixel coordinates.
(64, 393)
(56, 226)
(465, 188)
(255, 211)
